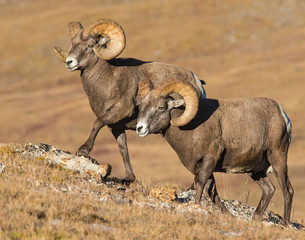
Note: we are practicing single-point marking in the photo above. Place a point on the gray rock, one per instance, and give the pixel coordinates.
(230, 234)
(185, 197)
(64, 189)
(55, 156)
(96, 226)
(166, 205)
(192, 208)
(120, 198)
(55, 222)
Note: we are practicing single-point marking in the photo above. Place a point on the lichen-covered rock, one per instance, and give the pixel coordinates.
(235, 207)
(67, 160)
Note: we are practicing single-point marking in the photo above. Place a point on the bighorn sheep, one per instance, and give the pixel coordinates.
(110, 83)
(242, 135)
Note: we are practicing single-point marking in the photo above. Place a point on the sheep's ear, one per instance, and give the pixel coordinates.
(103, 41)
(145, 86)
(175, 103)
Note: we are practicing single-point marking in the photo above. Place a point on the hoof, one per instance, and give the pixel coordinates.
(224, 210)
(257, 217)
(82, 153)
(128, 179)
(285, 223)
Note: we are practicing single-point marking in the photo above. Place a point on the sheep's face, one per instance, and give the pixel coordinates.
(81, 55)
(154, 114)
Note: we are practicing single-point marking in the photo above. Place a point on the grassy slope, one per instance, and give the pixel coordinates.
(39, 201)
(241, 48)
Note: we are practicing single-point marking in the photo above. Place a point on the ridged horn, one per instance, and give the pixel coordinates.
(74, 28)
(61, 54)
(189, 94)
(113, 33)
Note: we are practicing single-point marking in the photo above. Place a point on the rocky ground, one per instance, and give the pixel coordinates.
(114, 190)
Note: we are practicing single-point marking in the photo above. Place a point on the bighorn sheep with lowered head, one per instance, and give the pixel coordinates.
(110, 83)
(242, 135)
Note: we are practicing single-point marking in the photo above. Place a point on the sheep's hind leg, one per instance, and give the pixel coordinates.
(278, 161)
(121, 139)
(267, 192)
(85, 149)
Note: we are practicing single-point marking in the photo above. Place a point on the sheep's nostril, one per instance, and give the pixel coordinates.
(69, 62)
(139, 128)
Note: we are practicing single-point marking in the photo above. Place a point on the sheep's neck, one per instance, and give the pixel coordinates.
(94, 76)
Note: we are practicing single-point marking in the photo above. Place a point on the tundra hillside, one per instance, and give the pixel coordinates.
(43, 201)
(240, 48)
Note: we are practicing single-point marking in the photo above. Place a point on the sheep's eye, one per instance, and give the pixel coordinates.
(90, 45)
(160, 108)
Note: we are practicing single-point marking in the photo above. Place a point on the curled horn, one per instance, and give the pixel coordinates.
(189, 94)
(111, 36)
(74, 28)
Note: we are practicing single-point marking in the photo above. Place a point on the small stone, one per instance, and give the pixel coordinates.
(104, 199)
(45, 147)
(2, 167)
(184, 197)
(55, 222)
(191, 208)
(166, 205)
(268, 223)
(122, 189)
(120, 198)
(233, 234)
(105, 228)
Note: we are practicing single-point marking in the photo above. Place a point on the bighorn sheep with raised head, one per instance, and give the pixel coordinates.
(242, 135)
(110, 83)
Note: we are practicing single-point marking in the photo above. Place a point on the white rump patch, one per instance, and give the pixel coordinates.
(199, 84)
(287, 121)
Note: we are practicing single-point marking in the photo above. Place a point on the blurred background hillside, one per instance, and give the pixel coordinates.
(239, 47)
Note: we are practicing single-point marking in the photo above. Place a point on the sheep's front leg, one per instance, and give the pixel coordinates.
(121, 139)
(88, 145)
(213, 194)
(205, 170)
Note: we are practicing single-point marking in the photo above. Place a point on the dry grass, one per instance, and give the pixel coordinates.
(39, 201)
(240, 48)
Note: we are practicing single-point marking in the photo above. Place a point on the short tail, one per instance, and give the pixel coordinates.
(287, 122)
